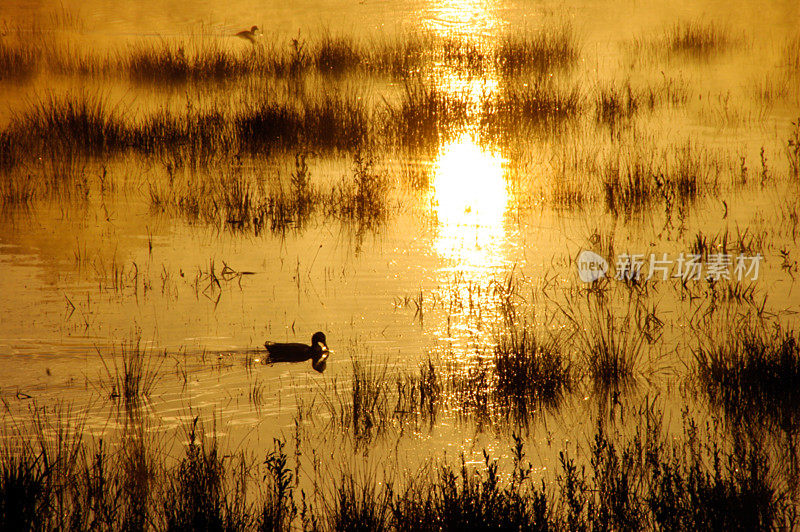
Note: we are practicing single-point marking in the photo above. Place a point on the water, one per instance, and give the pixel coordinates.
(82, 276)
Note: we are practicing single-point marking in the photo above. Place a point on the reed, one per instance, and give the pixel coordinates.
(551, 49)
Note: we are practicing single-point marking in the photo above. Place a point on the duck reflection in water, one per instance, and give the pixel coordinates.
(317, 352)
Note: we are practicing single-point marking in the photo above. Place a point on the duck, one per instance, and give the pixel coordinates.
(317, 352)
(250, 34)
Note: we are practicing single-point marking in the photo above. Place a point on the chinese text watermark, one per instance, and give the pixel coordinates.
(685, 266)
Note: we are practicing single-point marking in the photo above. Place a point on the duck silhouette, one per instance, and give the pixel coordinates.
(251, 34)
(317, 352)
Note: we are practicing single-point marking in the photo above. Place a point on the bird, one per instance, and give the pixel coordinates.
(317, 352)
(250, 34)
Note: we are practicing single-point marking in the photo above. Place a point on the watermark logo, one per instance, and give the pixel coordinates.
(591, 266)
(687, 267)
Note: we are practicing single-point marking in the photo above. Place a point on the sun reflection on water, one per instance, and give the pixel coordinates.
(470, 199)
(474, 17)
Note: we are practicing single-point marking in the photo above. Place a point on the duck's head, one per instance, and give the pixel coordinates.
(318, 343)
(319, 347)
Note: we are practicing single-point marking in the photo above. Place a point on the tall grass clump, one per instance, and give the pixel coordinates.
(697, 38)
(17, 190)
(133, 375)
(360, 505)
(633, 178)
(463, 54)
(202, 60)
(364, 198)
(628, 183)
(469, 499)
(515, 109)
(531, 371)
(8, 152)
(267, 124)
(163, 63)
(752, 367)
(17, 62)
(332, 121)
(421, 393)
(651, 481)
(86, 123)
(199, 495)
(362, 406)
(39, 469)
(336, 121)
(193, 138)
(426, 115)
(278, 509)
(337, 54)
(551, 49)
(401, 56)
(648, 481)
(614, 104)
(791, 54)
(52, 479)
(612, 343)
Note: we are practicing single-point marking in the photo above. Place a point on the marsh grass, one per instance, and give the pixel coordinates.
(362, 199)
(205, 493)
(132, 376)
(726, 242)
(635, 178)
(179, 62)
(629, 184)
(551, 49)
(791, 54)
(360, 504)
(212, 59)
(194, 137)
(366, 411)
(645, 481)
(17, 62)
(52, 479)
(89, 123)
(698, 38)
(523, 375)
(332, 121)
(278, 509)
(793, 151)
(450, 499)
(464, 55)
(8, 152)
(17, 190)
(541, 105)
(648, 478)
(531, 372)
(612, 344)
(240, 200)
(420, 394)
(337, 54)
(614, 104)
(400, 56)
(426, 115)
(752, 367)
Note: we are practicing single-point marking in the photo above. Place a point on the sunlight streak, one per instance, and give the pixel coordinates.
(470, 199)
